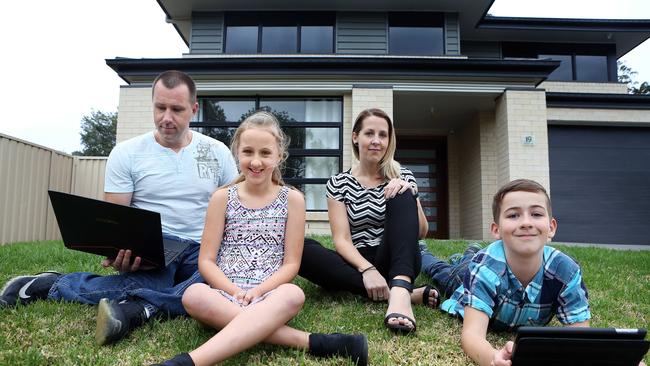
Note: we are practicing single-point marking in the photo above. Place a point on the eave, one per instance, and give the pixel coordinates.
(526, 71)
(565, 24)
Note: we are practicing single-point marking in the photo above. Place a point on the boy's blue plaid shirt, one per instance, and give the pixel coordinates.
(490, 287)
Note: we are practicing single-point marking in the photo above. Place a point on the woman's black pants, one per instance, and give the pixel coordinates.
(398, 254)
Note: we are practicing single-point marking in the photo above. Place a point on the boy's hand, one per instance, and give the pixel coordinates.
(502, 357)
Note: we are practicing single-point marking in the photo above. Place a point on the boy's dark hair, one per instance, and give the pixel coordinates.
(173, 78)
(518, 185)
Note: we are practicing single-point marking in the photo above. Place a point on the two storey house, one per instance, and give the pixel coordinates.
(476, 101)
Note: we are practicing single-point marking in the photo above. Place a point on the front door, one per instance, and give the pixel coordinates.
(426, 157)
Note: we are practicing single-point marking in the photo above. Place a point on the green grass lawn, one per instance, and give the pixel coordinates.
(48, 333)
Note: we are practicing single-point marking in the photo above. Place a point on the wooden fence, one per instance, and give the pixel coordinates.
(27, 171)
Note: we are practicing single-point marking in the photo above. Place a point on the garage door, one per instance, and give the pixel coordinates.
(600, 183)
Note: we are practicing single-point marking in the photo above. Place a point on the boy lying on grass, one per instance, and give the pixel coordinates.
(517, 280)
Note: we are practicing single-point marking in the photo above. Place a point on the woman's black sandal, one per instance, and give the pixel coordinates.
(400, 328)
(425, 297)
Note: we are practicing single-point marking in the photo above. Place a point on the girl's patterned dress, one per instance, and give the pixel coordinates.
(252, 248)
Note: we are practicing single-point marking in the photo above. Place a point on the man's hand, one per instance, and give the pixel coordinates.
(503, 356)
(375, 285)
(122, 262)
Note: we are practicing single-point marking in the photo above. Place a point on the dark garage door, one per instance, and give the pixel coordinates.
(600, 183)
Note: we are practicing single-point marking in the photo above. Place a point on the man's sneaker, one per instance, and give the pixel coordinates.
(26, 289)
(422, 245)
(116, 320)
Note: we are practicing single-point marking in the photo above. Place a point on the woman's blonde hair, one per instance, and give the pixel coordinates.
(265, 121)
(389, 168)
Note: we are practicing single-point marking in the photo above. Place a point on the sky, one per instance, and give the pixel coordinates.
(55, 51)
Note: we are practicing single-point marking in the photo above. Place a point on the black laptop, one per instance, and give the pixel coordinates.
(104, 228)
(579, 346)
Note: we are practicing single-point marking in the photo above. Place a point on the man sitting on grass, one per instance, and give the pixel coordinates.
(171, 170)
(517, 280)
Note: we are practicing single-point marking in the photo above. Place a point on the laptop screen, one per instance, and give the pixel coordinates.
(577, 346)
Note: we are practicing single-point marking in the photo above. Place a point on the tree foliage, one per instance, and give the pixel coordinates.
(626, 75)
(97, 133)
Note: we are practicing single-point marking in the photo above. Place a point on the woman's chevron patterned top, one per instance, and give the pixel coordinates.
(365, 206)
(252, 248)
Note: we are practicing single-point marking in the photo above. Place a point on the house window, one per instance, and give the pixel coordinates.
(579, 67)
(279, 32)
(581, 62)
(415, 34)
(313, 125)
(564, 71)
(279, 39)
(591, 68)
(241, 39)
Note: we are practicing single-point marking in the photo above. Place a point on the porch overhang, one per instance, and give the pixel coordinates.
(522, 71)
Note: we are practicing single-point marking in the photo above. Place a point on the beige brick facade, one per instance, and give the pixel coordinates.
(489, 178)
(363, 98)
(583, 87)
(453, 184)
(469, 180)
(135, 115)
(521, 114)
(317, 224)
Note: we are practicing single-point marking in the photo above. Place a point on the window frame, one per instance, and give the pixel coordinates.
(293, 152)
(276, 18)
(534, 50)
(435, 20)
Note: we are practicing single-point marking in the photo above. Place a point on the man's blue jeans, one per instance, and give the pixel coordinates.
(160, 288)
(446, 276)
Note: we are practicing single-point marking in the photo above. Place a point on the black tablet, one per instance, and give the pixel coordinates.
(577, 346)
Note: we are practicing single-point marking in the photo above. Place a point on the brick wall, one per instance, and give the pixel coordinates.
(453, 185)
(135, 113)
(583, 87)
(519, 114)
(469, 179)
(489, 179)
(317, 224)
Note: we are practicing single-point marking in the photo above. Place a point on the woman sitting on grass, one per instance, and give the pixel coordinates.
(376, 221)
(250, 252)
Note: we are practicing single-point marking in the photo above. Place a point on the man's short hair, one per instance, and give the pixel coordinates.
(518, 185)
(173, 78)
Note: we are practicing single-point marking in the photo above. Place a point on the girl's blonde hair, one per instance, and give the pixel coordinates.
(389, 168)
(265, 121)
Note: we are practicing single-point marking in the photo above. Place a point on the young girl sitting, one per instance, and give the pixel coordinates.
(250, 251)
